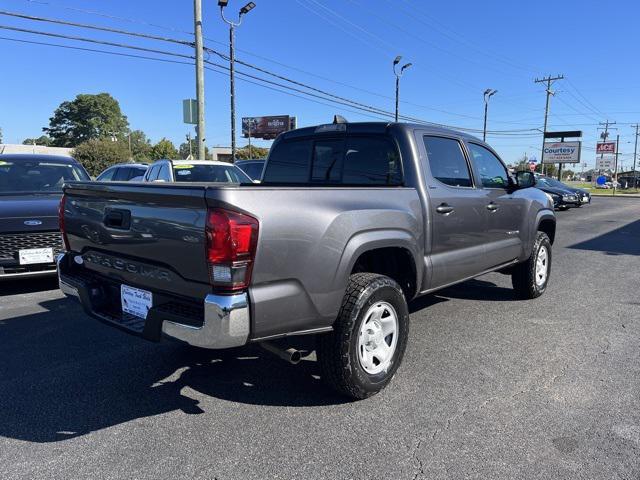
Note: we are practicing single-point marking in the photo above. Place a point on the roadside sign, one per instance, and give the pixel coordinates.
(606, 147)
(601, 180)
(266, 127)
(190, 111)
(561, 152)
(605, 163)
(532, 167)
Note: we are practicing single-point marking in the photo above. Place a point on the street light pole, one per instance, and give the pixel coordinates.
(635, 153)
(396, 61)
(200, 127)
(488, 93)
(232, 25)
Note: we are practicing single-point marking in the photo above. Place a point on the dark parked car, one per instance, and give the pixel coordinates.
(583, 195)
(123, 172)
(562, 197)
(253, 167)
(30, 191)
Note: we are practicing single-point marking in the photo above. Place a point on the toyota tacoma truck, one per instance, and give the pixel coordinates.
(351, 221)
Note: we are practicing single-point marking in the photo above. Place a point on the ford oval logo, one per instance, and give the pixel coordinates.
(32, 223)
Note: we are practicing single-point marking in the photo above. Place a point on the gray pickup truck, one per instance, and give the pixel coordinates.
(350, 222)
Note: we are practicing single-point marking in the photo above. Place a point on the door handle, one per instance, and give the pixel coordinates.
(444, 208)
(492, 207)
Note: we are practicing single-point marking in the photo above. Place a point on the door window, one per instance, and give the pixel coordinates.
(106, 176)
(164, 173)
(492, 171)
(447, 161)
(153, 173)
(122, 175)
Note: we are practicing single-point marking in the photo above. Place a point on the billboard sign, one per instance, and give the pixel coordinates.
(561, 152)
(266, 127)
(606, 147)
(605, 163)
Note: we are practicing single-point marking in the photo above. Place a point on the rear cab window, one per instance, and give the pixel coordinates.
(353, 160)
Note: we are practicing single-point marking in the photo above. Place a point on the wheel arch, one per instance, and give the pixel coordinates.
(388, 252)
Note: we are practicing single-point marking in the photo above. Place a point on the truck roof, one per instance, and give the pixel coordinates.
(372, 127)
(34, 157)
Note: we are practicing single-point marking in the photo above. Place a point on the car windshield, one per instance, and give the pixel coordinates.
(37, 176)
(544, 182)
(556, 183)
(209, 173)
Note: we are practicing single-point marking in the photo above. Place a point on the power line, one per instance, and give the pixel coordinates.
(191, 45)
(83, 39)
(94, 27)
(335, 98)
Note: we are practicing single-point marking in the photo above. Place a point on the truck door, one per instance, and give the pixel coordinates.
(457, 212)
(503, 209)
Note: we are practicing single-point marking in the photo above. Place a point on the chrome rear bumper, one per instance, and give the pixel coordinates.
(226, 321)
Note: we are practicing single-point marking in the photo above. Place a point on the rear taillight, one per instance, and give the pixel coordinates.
(65, 240)
(231, 248)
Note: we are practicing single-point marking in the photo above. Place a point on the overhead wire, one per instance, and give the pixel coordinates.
(336, 98)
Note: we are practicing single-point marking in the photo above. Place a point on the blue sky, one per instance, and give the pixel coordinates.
(458, 49)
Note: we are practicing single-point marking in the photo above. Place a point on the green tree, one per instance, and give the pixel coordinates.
(86, 117)
(245, 153)
(140, 146)
(549, 169)
(41, 140)
(164, 149)
(97, 154)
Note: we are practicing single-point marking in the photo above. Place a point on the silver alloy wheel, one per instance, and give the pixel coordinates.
(542, 266)
(378, 338)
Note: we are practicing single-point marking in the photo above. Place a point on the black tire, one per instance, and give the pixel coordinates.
(523, 277)
(338, 351)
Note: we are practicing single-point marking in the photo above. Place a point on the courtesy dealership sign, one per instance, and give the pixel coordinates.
(562, 152)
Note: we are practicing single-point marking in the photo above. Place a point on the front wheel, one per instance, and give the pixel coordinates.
(530, 277)
(361, 355)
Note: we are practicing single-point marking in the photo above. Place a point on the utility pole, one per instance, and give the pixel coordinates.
(604, 135)
(200, 128)
(635, 153)
(548, 81)
(615, 168)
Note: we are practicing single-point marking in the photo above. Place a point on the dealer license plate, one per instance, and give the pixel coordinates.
(135, 301)
(30, 256)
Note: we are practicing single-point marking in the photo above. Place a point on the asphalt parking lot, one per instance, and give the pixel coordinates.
(490, 387)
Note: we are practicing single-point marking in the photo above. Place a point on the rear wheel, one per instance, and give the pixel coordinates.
(530, 278)
(361, 355)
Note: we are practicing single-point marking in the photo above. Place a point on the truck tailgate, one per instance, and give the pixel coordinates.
(147, 235)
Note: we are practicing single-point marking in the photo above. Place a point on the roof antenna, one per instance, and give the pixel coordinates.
(339, 119)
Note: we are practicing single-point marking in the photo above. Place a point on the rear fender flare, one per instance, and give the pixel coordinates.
(371, 240)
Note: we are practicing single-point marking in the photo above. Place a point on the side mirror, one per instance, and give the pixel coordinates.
(525, 179)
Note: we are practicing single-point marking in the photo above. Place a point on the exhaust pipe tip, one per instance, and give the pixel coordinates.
(290, 355)
(294, 356)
